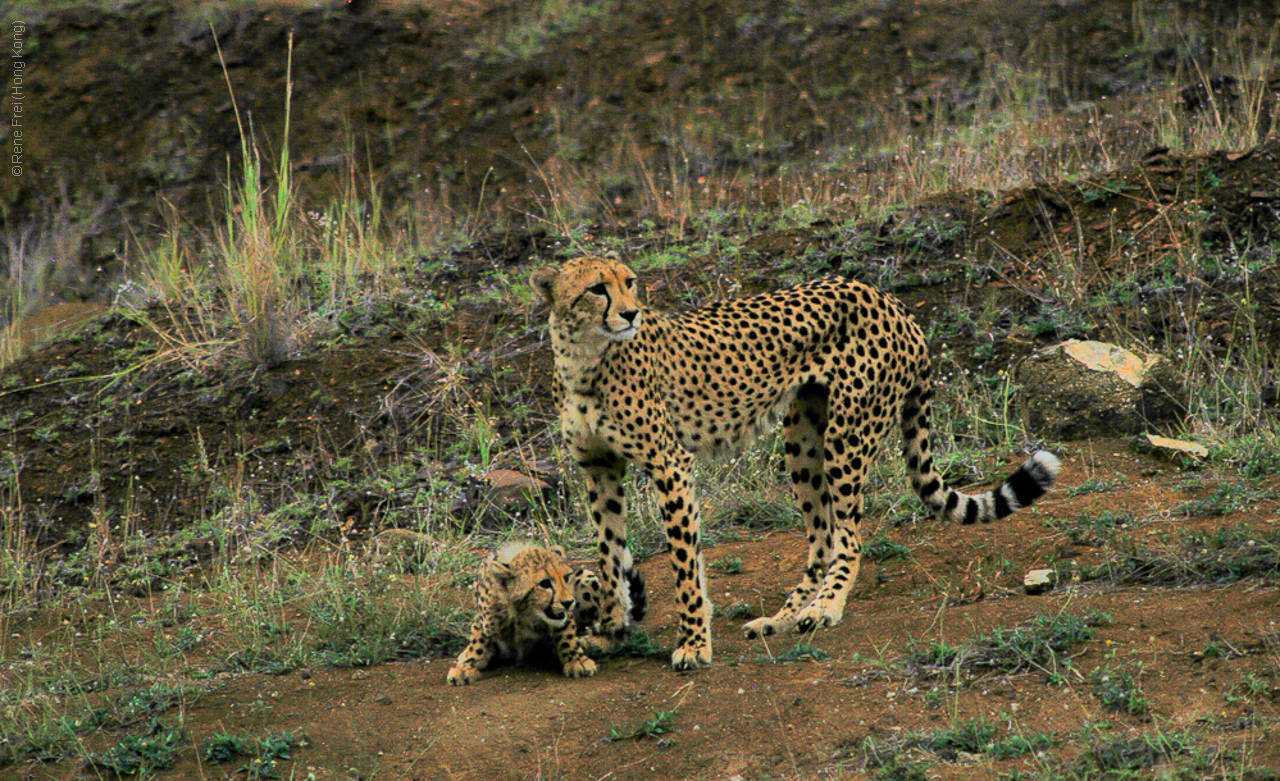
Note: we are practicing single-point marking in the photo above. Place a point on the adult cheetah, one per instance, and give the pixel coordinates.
(839, 360)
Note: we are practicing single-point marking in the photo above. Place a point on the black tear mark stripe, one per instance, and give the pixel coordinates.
(608, 304)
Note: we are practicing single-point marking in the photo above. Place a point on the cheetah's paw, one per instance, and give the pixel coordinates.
(765, 627)
(461, 676)
(814, 617)
(580, 668)
(691, 657)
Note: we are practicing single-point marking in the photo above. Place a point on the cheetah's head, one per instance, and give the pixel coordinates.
(591, 297)
(537, 581)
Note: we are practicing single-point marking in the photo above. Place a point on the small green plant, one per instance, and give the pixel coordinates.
(224, 748)
(1039, 644)
(639, 644)
(1020, 745)
(139, 706)
(930, 654)
(1224, 556)
(656, 726)
(800, 652)
(1120, 758)
(1093, 529)
(1251, 689)
(262, 753)
(1217, 648)
(134, 754)
(883, 549)
(1117, 687)
(949, 744)
(729, 565)
(970, 737)
(1093, 485)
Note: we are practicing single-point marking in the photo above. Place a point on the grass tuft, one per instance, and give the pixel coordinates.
(661, 723)
(1040, 644)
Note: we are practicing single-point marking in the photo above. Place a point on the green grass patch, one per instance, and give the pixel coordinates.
(134, 754)
(1127, 757)
(1040, 644)
(262, 754)
(660, 724)
(1093, 529)
(729, 565)
(882, 549)
(800, 652)
(639, 645)
(1223, 556)
(1095, 485)
(1117, 687)
(900, 757)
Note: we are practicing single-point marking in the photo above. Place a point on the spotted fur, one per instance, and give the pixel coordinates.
(842, 362)
(588, 590)
(524, 598)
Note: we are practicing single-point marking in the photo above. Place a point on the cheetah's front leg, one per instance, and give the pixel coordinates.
(476, 656)
(608, 508)
(572, 654)
(680, 511)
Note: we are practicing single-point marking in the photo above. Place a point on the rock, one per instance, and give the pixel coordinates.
(1038, 581)
(1078, 389)
(1193, 449)
(502, 495)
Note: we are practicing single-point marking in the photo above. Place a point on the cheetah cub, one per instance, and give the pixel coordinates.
(525, 597)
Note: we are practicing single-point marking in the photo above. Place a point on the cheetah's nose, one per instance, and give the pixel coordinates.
(567, 604)
(629, 315)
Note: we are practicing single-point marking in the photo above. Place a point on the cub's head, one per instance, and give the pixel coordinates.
(537, 580)
(591, 297)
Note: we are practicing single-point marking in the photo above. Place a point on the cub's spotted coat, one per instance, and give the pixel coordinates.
(525, 597)
(842, 361)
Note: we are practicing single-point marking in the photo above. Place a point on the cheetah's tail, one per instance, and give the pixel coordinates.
(1019, 490)
(639, 599)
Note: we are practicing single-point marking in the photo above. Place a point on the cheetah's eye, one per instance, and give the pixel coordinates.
(599, 289)
(631, 283)
(546, 583)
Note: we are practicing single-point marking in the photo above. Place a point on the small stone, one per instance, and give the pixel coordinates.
(1038, 581)
(383, 699)
(1193, 449)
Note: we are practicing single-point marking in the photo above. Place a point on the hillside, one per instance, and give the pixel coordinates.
(298, 350)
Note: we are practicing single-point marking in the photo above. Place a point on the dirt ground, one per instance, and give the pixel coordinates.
(450, 118)
(750, 718)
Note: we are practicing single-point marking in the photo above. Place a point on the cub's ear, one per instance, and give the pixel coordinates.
(558, 552)
(502, 573)
(544, 281)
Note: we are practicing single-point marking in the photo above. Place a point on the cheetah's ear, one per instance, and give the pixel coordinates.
(502, 573)
(544, 281)
(558, 552)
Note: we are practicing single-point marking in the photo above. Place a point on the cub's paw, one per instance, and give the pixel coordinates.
(580, 668)
(461, 676)
(597, 645)
(691, 657)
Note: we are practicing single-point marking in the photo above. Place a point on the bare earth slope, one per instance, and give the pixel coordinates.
(1179, 669)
